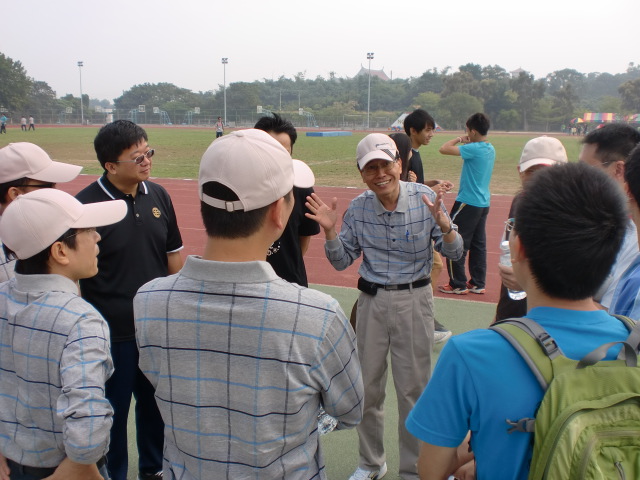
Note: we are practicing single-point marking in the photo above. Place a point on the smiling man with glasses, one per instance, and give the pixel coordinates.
(25, 167)
(145, 245)
(392, 225)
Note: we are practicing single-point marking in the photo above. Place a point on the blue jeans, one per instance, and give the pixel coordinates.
(127, 379)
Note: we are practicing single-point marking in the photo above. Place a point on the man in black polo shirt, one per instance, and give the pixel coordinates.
(143, 246)
(286, 254)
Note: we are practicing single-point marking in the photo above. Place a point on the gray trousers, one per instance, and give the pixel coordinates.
(401, 322)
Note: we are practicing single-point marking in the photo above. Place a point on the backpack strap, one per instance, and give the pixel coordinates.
(634, 336)
(536, 347)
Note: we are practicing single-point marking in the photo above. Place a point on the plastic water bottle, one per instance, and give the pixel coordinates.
(326, 423)
(505, 259)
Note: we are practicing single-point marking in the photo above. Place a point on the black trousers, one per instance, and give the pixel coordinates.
(471, 222)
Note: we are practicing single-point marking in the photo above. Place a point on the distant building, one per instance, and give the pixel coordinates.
(374, 73)
(517, 72)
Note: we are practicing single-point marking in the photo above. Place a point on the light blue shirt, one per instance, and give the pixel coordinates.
(478, 159)
(626, 298)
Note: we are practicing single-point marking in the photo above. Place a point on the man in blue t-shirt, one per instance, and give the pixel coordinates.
(480, 380)
(471, 207)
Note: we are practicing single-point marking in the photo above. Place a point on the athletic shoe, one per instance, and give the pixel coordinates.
(473, 289)
(455, 291)
(441, 337)
(361, 474)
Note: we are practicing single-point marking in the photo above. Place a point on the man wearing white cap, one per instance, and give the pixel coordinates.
(54, 346)
(242, 360)
(392, 226)
(25, 167)
(537, 154)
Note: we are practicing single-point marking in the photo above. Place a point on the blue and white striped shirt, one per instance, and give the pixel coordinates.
(396, 246)
(241, 361)
(54, 362)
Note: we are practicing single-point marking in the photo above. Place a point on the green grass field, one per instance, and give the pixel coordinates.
(331, 158)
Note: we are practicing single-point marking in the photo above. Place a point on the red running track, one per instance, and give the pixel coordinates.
(184, 194)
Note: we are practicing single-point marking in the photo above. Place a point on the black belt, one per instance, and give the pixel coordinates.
(406, 286)
(41, 472)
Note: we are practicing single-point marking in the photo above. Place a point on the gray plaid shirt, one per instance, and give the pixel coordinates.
(396, 246)
(241, 361)
(54, 362)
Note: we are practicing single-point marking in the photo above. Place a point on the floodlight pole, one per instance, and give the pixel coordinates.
(369, 57)
(80, 65)
(224, 66)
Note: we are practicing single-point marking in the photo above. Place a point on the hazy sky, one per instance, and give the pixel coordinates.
(124, 43)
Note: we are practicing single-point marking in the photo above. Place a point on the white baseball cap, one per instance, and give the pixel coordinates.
(542, 151)
(376, 146)
(253, 165)
(24, 159)
(35, 220)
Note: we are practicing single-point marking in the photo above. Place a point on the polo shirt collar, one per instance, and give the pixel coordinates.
(228, 272)
(115, 194)
(45, 283)
(403, 201)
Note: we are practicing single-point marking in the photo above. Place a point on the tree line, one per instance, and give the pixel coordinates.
(514, 101)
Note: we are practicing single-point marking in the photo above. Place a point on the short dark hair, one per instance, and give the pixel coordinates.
(479, 122)
(114, 138)
(571, 220)
(4, 188)
(38, 264)
(632, 173)
(419, 119)
(403, 142)
(276, 124)
(223, 224)
(613, 142)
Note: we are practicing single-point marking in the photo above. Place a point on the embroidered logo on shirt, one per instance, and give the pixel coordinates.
(156, 212)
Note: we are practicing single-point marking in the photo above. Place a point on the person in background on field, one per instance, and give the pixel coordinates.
(286, 255)
(145, 245)
(32, 123)
(471, 207)
(420, 127)
(3, 124)
(626, 297)
(23, 124)
(227, 332)
(392, 225)
(54, 346)
(492, 380)
(537, 154)
(25, 167)
(607, 149)
(219, 127)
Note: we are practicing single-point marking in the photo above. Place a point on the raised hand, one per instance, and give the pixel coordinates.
(326, 216)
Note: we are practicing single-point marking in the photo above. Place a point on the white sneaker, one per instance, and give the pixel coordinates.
(361, 474)
(441, 337)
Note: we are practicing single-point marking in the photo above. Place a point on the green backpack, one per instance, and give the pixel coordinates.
(587, 425)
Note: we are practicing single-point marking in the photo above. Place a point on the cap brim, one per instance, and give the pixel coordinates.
(536, 161)
(375, 155)
(101, 214)
(303, 176)
(57, 172)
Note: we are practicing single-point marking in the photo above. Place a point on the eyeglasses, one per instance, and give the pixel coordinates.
(371, 170)
(509, 225)
(81, 230)
(140, 158)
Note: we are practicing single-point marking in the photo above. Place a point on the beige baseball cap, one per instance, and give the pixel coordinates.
(24, 159)
(254, 166)
(376, 146)
(542, 151)
(35, 220)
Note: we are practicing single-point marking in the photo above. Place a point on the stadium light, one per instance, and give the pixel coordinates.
(369, 57)
(80, 65)
(224, 66)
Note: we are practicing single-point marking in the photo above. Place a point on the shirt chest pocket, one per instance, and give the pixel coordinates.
(418, 242)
